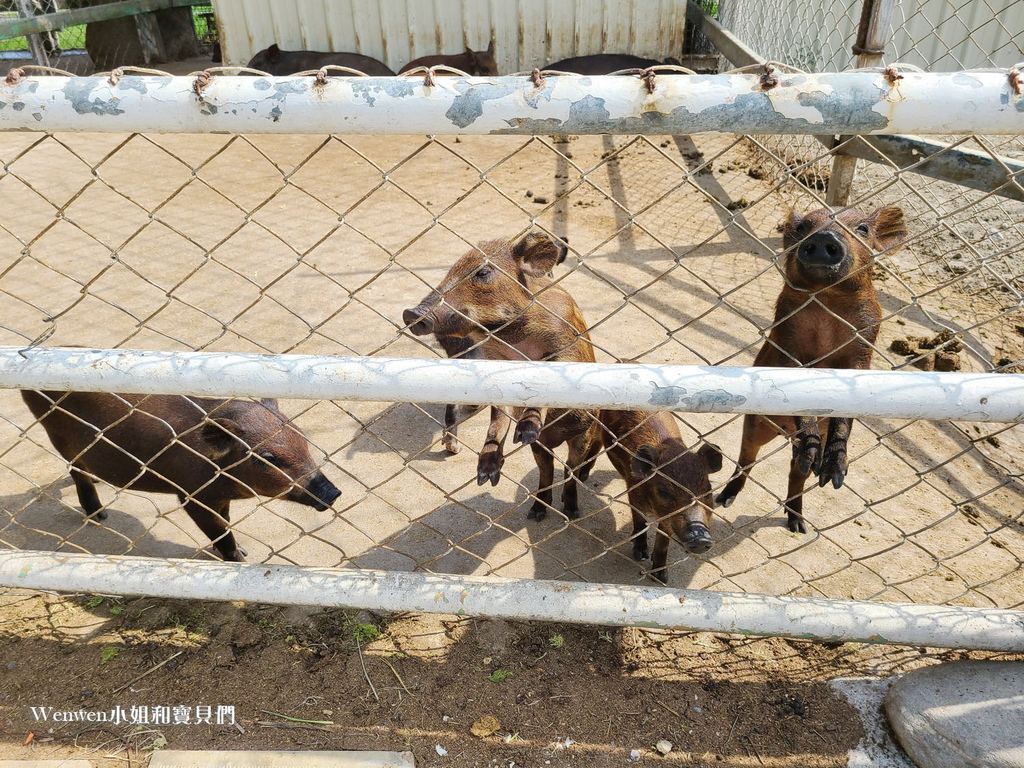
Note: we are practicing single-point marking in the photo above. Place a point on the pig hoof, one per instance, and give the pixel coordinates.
(238, 556)
(572, 514)
(640, 552)
(724, 499)
(537, 512)
(243, 551)
(99, 514)
(489, 469)
(526, 433)
(659, 576)
(795, 523)
(451, 444)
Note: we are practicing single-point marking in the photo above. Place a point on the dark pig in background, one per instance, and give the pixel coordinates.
(207, 452)
(276, 62)
(476, 63)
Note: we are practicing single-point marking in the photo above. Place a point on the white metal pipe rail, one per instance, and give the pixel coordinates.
(829, 103)
(530, 599)
(712, 389)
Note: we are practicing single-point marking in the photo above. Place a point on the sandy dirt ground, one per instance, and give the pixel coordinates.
(144, 254)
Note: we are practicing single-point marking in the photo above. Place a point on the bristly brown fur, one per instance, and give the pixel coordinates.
(827, 316)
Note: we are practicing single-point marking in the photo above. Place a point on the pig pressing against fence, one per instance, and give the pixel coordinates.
(208, 452)
(498, 296)
(826, 316)
(666, 483)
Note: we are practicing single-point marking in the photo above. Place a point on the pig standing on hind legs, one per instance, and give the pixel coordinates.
(499, 297)
(826, 316)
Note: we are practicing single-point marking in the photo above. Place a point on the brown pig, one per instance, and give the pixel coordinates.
(826, 316)
(207, 452)
(666, 483)
(499, 297)
(476, 63)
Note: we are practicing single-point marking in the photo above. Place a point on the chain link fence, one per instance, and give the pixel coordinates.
(318, 244)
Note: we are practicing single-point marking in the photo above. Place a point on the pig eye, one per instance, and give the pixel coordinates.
(271, 458)
(863, 229)
(803, 227)
(484, 273)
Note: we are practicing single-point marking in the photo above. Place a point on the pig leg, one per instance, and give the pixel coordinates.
(807, 445)
(590, 459)
(640, 551)
(833, 461)
(659, 561)
(528, 427)
(545, 480)
(795, 497)
(213, 521)
(488, 466)
(757, 432)
(456, 347)
(581, 451)
(87, 496)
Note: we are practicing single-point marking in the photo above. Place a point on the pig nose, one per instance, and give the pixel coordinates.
(698, 538)
(323, 492)
(418, 320)
(823, 248)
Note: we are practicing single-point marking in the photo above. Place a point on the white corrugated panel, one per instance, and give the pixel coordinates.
(526, 33)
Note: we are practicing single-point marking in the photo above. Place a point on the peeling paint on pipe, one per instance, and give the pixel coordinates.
(829, 103)
(943, 626)
(712, 389)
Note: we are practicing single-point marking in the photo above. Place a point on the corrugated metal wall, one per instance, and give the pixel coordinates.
(937, 35)
(526, 33)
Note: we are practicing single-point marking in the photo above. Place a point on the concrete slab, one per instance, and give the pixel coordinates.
(963, 714)
(278, 759)
(46, 764)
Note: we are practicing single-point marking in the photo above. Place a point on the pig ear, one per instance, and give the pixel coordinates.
(644, 461)
(274, 53)
(790, 224)
(490, 47)
(712, 456)
(890, 228)
(537, 254)
(219, 438)
(270, 402)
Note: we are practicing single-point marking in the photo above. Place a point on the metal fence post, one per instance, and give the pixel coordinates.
(875, 19)
(35, 42)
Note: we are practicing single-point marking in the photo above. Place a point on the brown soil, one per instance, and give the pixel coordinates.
(423, 682)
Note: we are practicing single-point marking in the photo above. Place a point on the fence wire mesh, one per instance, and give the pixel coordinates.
(317, 244)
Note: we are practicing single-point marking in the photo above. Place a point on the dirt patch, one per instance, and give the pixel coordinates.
(566, 694)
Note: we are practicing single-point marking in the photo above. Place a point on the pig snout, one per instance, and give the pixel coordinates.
(823, 249)
(316, 491)
(419, 320)
(698, 538)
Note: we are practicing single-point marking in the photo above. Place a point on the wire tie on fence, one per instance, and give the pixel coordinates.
(202, 80)
(115, 76)
(537, 78)
(768, 79)
(892, 75)
(648, 79)
(1015, 79)
(321, 77)
(14, 76)
(428, 78)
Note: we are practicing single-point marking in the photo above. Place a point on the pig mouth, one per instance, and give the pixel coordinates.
(419, 320)
(319, 499)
